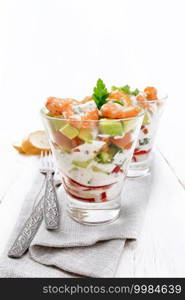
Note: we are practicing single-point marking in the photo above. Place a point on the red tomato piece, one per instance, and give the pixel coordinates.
(117, 169)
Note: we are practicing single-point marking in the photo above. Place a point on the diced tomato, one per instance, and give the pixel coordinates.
(117, 169)
(145, 130)
(77, 197)
(133, 158)
(141, 152)
(104, 197)
(124, 142)
(90, 187)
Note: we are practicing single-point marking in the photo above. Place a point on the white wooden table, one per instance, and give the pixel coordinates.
(160, 250)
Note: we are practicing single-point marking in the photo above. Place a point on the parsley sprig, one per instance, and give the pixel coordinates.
(100, 93)
(126, 89)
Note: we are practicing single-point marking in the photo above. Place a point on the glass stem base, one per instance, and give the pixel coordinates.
(93, 213)
(140, 169)
(138, 172)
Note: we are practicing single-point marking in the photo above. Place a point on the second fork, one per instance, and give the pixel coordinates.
(51, 208)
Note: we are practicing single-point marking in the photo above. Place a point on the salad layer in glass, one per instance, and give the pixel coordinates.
(153, 104)
(93, 141)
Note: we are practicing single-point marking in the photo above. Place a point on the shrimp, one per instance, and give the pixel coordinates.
(120, 96)
(113, 110)
(85, 120)
(151, 93)
(142, 101)
(56, 106)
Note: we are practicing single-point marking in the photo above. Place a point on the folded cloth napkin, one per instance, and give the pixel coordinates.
(74, 249)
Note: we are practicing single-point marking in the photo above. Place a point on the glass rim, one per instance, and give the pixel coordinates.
(43, 114)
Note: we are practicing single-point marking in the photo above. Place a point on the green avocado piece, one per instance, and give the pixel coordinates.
(113, 149)
(104, 157)
(69, 131)
(82, 164)
(128, 125)
(96, 169)
(85, 135)
(73, 169)
(111, 127)
(146, 119)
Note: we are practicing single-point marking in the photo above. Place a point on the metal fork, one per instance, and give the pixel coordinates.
(51, 208)
(31, 226)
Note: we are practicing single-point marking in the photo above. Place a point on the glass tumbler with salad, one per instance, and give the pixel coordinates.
(92, 141)
(153, 103)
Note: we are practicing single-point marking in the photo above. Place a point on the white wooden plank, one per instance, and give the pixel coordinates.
(161, 247)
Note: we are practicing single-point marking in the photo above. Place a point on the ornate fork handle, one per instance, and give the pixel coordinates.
(51, 209)
(28, 232)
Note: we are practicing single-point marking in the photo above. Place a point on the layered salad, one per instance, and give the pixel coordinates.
(93, 140)
(153, 105)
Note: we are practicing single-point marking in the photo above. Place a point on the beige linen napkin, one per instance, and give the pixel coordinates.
(76, 249)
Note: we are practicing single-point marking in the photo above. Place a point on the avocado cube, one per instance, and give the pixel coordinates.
(146, 119)
(69, 131)
(128, 125)
(85, 135)
(104, 157)
(113, 149)
(96, 169)
(111, 127)
(82, 164)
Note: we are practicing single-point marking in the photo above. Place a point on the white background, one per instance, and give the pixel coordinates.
(61, 47)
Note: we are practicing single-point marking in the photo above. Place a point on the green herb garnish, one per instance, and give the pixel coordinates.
(126, 89)
(116, 101)
(100, 93)
(143, 142)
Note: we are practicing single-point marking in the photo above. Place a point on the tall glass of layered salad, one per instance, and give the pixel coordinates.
(153, 104)
(93, 141)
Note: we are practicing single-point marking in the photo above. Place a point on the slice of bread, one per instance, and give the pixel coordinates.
(18, 146)
(33, 144)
